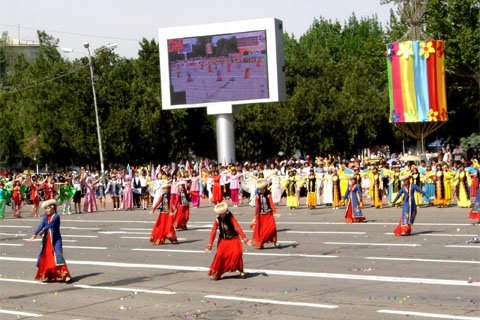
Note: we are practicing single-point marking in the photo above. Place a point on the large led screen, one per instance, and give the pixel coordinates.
(232, 63)
(224, 67)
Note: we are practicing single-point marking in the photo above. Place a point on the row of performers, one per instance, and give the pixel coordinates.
(16, 192)
(229, 256)
(439, 186)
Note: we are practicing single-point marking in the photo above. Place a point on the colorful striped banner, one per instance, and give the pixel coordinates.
(416, 81)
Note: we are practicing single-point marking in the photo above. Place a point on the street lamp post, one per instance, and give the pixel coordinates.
(90, 65)
(99, 136)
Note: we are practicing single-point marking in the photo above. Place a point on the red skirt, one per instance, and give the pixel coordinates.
(163, 229)
(181, 218)
(264, 230)
(229, 257)
(402, 230)
(217, 194)
(47, 268)
(474, 215)
(349, 215)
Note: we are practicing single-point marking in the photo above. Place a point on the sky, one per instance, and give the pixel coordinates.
(126, 22)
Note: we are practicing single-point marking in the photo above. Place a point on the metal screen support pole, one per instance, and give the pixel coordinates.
(225, 138)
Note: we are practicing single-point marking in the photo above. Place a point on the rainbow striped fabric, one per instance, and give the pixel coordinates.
(416, 81)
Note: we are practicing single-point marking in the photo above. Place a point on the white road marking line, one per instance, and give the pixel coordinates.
(12, 244)
(21, 281)
(423, 260)
(18, 313)
(83, 247)
(376, 244)
(168, 250)
(277, 222)
(136, 229)
(268, 301)
(327, 232)
(63, 240)
(209, 230)
(123, 232)
(13, 234)
(458, 246)
(143, 238)
(325, 275)
(245, 253)
(84, 286)
(77, 236)
(428, 315)
(102, 221)
(7, 226)
(346, 224)
(80, 228)
(148, 238)
(441, 234)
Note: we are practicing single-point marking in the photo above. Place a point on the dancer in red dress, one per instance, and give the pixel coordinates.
(182, 206)
(163, 228)
(217, 188)
(36, 186)
(229, 256)
(17, 198)
(263, 224)
(51, 263)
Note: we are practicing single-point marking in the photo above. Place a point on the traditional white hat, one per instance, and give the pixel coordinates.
(48, 203)
(220, 208)
(439, 173)
(262, 184)
(166, 185)
(405, 177)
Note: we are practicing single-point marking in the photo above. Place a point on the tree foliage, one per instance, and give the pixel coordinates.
(337, 97)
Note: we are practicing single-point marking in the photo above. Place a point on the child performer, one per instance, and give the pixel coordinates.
(229, 256)
(51, 263)
(66, 194)
(409, 208)
(353, 211)
(163, 228)
(263, 224)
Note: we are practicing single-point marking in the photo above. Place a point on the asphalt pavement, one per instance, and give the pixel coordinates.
(323, 268)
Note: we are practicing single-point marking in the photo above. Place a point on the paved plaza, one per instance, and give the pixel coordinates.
(323, 269)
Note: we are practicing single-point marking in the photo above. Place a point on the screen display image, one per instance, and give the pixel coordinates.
(216, 68)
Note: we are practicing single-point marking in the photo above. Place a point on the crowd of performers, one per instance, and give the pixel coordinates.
(171, 191)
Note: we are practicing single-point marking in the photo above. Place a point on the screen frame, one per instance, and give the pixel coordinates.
(275, 59)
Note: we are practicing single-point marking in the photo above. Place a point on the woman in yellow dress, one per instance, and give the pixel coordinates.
(376, 186)
(291, 184)
(440, 192)
(416, 179)
(449, 184)
(463, 182)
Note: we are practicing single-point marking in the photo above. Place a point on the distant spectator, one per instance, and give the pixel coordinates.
(447, 156)
(470, 152)
(457, 153)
